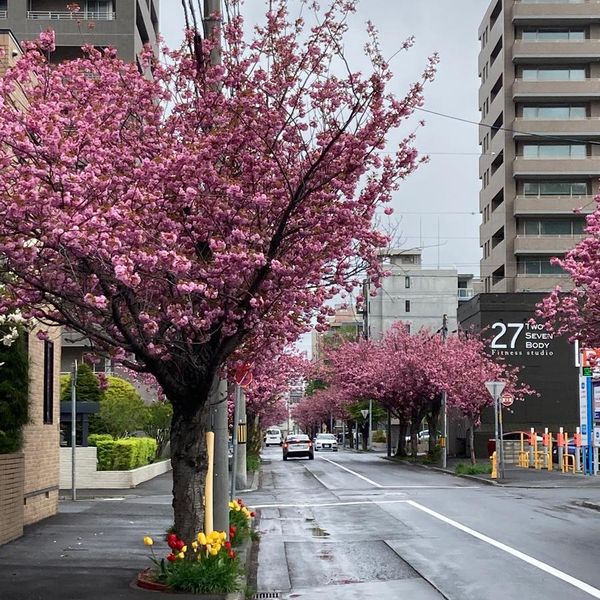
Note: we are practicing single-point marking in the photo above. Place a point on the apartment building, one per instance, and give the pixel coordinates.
(539, 99)
(124, 24)
(412, 295)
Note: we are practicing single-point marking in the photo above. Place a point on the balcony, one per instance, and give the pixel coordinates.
(552, 205)
(542, 283)
(529, 51)
(532, 13)
(546, 244)
(588, 89)
(465, 294)
(66, 15)
(557, 167)
(586, 128)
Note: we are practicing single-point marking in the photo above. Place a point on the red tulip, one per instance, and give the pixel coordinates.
(231, 554)
(252, 514)
(179, 544)
(227, 545)
(171, 557)
(172, 540)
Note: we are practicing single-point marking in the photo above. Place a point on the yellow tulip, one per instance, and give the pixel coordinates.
(202, 538)
(195, 545)
(184, 549)
(223, 535)
(181, 555)
(214, 552)
(148, 541)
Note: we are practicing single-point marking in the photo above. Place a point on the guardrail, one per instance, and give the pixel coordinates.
(54, 15)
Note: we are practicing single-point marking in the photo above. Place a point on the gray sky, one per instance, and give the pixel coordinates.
(442, 195)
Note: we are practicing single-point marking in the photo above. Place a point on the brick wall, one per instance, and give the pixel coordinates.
(11, 496)
(42, 440)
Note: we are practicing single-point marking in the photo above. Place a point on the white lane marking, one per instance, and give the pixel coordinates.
(430, 487)
(354, 503)
(584, 587)
(352, 472)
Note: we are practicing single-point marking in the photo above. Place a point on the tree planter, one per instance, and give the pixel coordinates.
(145, 581)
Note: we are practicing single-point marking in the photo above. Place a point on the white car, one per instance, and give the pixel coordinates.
(273, 437)
(326, 441)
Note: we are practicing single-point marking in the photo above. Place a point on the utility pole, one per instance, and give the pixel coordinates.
(218, 399)
(370, 423)
(445, 401)
(73, 429)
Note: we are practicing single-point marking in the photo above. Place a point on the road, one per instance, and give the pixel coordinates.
(355, 526)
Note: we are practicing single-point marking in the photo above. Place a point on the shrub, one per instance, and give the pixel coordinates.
(467, 469)
(122, 411)
(14, 392)
(87, 387)
(105, 454)
(252, 462)
(94, 438)
(379, 436)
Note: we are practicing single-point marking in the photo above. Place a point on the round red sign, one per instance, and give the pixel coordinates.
(507, 400)
(243, 375)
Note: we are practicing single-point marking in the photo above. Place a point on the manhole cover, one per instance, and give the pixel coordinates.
(263, 595)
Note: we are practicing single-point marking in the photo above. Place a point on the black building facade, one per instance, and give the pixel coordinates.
(547, 362)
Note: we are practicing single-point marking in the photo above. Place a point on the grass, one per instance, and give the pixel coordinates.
(252, 462)
(468, 469)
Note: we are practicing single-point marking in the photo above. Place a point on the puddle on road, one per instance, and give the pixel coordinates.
(318, 532)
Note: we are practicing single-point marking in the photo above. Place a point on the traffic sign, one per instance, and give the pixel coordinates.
(243, 375)
(507, 400)
(365, 413)
(495, 388)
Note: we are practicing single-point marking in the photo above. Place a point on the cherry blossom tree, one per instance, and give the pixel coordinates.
(201, 215)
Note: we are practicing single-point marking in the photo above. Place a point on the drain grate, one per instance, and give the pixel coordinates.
(266, 595)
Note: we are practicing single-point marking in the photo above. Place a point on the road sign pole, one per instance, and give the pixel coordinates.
(501, 432)
(495, 388)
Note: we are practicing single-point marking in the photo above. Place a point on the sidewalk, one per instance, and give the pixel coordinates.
(516, 477)
(92, 549)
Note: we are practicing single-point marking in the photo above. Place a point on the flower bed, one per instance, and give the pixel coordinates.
(209, 565)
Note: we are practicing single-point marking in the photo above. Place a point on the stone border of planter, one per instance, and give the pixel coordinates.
(88, 478)
(12, 482)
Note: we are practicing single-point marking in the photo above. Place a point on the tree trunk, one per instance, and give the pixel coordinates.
(401, 445)
(414, 437)
(351, 434)
(432, 424)
(254, 442)
(189, 462)
(365, 436)
(472, 444)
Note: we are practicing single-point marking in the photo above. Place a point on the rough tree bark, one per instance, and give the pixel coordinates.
(433, 418)
(401, 445)
(471, 439)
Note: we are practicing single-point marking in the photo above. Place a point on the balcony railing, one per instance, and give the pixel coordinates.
(3, 14)
(56, 15)
(465, 293)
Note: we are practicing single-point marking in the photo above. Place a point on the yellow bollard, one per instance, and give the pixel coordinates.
(208, 486)
(523, 454)
(494, 460)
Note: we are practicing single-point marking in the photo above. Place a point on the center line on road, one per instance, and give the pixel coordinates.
(353, 503)
(581, 585)
(353, 472)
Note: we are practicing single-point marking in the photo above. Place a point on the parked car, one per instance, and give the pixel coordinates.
(326, 441)
(514, 436)
(273, 437)
(298, 444)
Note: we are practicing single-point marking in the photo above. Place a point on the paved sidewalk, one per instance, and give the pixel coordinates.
(92, 549)
(516, 477)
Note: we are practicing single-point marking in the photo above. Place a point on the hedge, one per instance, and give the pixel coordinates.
(125, 454)
(94, 438)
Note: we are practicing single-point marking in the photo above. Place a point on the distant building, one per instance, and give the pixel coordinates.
(412, 295)
(345, 325)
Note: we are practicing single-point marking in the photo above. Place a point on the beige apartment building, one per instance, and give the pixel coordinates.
(539, 99)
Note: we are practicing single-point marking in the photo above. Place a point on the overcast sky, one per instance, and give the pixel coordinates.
(441, 196)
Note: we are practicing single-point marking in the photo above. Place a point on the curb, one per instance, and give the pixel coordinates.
(590, 505)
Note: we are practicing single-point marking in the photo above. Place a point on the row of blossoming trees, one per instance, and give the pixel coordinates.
(407, 374)
(203, 216)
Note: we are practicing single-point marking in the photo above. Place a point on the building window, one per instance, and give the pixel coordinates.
(549, 151)
(558, 111)
(554, 35)
(537, 265)
(537, 227)
(407, 282)
(553, 74)
(48, 382)
(407, 306)
(555, 188)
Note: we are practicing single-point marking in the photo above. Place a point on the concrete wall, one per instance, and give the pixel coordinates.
(87, 478)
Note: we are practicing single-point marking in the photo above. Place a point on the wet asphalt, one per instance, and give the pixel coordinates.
(355, 526)
(344, 526)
